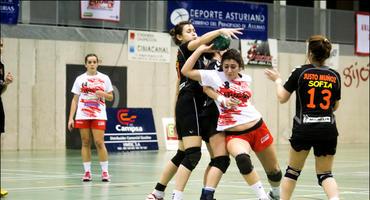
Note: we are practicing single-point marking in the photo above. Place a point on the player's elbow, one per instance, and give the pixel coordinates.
(185, 72)
(282, 99)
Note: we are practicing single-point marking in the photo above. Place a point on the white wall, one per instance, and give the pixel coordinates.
(35, 102)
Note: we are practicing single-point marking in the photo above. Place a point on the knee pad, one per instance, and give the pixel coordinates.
(177, 159)
(244, 163)
(275, 176)
(322, 177)
(221, 162)
(192, 157)
(292, 173)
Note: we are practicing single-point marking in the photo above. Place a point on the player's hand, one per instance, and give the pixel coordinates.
(234, 101)
(71, 124)
(227, 102)
(231, 32)
(100, 93)
(272, 73)
(206, 48)
(231, 102)
(8, 78)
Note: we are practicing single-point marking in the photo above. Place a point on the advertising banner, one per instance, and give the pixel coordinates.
(170, 135)
(103, 10)
(9, 10)
(362, 33)
(149, 46)
(130, 129)
(210, 15)
(258, 52)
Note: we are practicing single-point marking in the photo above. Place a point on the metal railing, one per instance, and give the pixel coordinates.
(291, 23)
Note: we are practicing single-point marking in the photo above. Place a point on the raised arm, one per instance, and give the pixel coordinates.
(282, 94)
(208, 37)
(187, 70)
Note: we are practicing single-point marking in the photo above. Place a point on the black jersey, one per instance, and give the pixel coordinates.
(187, 85)
(190, 98)
(2, 76)
(212, 65)
(317, 90)
(2, 114)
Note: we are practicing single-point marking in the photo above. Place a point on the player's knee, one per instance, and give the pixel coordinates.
(192, 157)
(221, 162)
(85, 142)
(244, 163)
(212, 162)
(323, 176)
(292, 173)
(275, 176)
(99, 144)
(177, 159)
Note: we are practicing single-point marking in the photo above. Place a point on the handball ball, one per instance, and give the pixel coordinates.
(221, 42)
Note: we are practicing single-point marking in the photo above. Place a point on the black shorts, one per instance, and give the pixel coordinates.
(321, 147)
(2, 117)
(187, 116)
(208, 122)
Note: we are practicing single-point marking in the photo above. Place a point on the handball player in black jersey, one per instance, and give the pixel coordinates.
(318, 91)
(5, 80)
(189, 104)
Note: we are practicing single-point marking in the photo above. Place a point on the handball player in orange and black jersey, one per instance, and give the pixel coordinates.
(318, 91)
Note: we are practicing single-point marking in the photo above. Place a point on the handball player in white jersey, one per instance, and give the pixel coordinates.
(242, 123)
(90, 90)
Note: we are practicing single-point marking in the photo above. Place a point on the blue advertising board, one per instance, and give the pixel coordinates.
(210, 15)
(130, 129)
(9, 10)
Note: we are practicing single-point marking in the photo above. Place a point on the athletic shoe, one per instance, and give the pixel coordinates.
(105, 177)
(272, 196)
(207, 197)
(3, 193)
(87, 177)
(152, 197)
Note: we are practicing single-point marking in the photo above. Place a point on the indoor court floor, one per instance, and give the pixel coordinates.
(45, 175)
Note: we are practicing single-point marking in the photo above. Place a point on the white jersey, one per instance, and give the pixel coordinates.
(238, 88)
(89, 105)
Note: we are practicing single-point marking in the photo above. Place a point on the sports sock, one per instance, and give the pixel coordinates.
(87, 166)
(104, 166)
(209, 188)
(258, 189)
(177, 195)
(160, 187)
(158, 194)
(275, 191)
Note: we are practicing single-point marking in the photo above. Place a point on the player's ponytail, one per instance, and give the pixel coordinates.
(320, 47)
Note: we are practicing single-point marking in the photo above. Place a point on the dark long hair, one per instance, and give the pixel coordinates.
(320, 48)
